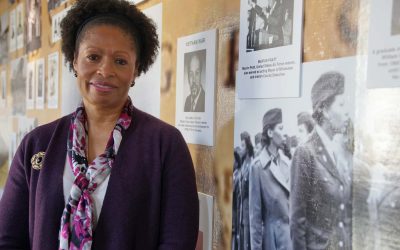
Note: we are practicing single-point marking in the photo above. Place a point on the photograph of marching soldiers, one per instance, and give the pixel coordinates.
(270, 24)
(292, 173)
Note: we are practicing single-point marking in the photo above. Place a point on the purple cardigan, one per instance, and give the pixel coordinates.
(151, 200)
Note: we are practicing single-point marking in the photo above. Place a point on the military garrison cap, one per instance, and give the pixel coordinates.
(272, 117)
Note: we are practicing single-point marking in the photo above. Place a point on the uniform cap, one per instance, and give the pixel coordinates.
(328, 85)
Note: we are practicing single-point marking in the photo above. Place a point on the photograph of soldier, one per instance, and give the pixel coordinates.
(396, 17)
(33, 30)
(321, 187)
(270, 188)
(270, 24)
(246, 156)
(195, 67)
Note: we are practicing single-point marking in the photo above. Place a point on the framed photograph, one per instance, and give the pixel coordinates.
(13, 31)
(52, 82)
(55, 24)
(30, 86)
(40, 86)
(383, 69)
(195, 87)
(270, 48)
(20, 29)
(33, 25)
(4, 39)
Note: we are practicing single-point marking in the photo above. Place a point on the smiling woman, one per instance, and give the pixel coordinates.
(110, 176)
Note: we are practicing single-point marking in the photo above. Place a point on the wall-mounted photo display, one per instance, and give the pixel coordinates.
(52, 82)
(20, 19)
(270, 48)
(30, 85)
(4, 31)
(384, 44)
(145, 94)
(12, 34)
(195, 85)
(55, 24)
(18, 85)
(52, 4)
(3, 89)
(33, 24)
(40, 86)
(292, 173)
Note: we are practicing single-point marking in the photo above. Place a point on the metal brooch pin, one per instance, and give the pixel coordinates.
(37, 160)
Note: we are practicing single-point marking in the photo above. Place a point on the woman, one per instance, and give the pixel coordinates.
(127, 178)
(270, 188)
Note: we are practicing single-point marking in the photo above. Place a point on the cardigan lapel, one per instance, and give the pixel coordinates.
(49, 199)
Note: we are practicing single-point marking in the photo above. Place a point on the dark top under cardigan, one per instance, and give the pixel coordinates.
(151, 200)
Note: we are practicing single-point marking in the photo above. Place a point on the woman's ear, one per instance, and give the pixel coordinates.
(269, 133)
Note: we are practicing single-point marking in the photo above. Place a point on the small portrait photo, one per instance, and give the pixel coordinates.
(395, 18)
(194, 81)
(270, 24)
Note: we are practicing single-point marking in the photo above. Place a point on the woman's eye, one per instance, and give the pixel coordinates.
(121, 61)
(92, 57)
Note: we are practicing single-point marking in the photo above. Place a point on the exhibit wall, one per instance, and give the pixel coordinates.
(284, 56)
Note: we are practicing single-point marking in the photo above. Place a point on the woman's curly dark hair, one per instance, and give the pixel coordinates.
(132, 21)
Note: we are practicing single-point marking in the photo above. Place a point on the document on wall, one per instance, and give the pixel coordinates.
(146, 92)
(195, 85)
(384, 44)
(270, 48)
(204, 239)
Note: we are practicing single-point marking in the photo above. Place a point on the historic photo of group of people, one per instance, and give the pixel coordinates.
(292, 188)
(270, 24)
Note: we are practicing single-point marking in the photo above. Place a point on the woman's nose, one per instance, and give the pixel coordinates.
(106, 68)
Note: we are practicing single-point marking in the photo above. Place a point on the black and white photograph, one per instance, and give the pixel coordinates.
(20, 16)
(12, 34)
(18, 85)
(52, 4)
(4, 30)
(270, 48)
(52, 82)
(292, 172)
(270, 24)
(55, 24)
(195, 87)
(30, 85)
(40, 86)
(383, 69)
(3, 89)
(33, 24)
(194, 94)
(395, 18)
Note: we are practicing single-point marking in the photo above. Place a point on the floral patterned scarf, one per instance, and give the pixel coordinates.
(76, 229)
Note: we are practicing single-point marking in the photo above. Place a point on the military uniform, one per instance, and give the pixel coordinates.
(269, 203)
(320, 198)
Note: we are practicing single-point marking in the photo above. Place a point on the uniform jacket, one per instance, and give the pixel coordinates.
(244, 212)
(269, 204)
(320, 199)
(151, 200)
(200, 104)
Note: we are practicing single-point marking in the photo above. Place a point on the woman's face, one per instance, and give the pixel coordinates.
(105, 64)
(277, 135)
(337, 114)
